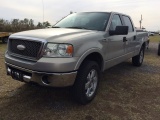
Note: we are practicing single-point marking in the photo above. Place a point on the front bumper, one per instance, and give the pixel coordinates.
(51, 65)
(43, 78)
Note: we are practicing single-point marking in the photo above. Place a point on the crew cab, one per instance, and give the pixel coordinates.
(75, 51)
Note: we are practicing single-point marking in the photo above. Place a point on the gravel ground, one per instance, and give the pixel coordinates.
(125, 92)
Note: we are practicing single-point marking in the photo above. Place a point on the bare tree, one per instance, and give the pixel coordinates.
(16, 25)
(46, 24)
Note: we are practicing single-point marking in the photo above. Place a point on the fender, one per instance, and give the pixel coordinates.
(88, 52)
(138, 47)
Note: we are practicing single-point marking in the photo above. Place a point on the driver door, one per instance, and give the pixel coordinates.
(115, 45)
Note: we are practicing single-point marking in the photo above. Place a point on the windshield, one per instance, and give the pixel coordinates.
(89, 21)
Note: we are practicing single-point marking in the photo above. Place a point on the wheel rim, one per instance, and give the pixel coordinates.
(141, 56)
(91, 84)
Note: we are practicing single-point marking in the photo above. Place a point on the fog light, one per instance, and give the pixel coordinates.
(45, 80)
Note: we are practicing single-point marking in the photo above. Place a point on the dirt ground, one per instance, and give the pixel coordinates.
(125, 93)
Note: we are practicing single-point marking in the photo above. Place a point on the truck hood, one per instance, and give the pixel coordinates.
(54, 34)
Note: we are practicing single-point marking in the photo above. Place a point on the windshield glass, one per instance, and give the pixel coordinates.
(89, 21)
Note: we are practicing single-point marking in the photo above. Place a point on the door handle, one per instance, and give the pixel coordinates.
(125, 39)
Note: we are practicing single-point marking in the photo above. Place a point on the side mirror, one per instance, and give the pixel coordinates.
(120, 30)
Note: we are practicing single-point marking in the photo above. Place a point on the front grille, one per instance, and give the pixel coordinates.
(31, 50)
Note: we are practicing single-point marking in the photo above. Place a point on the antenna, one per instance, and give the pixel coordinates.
(140, 22)
(43, 10)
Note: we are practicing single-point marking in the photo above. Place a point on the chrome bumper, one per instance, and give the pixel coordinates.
(44, 78)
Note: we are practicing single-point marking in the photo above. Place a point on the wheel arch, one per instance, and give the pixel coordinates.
(93, 55)
(143, 45)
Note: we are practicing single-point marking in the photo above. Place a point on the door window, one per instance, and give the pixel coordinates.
(116, 21)
(128, 23)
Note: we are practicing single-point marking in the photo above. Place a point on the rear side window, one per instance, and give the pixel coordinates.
(128, 23)
(116, 21)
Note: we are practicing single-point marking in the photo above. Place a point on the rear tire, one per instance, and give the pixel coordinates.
(159, 49)
(86, 84)
(138, 59)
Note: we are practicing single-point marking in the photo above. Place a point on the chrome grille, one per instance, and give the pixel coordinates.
(32, 48)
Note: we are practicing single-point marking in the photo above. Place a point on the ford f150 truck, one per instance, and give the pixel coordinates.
(75, 51)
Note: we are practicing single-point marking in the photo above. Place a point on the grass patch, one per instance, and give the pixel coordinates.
(3, 47)
(155, 38)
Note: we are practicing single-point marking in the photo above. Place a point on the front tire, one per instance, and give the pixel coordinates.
(86, 84)
(138, 59)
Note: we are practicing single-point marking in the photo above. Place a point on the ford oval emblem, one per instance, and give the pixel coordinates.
(21, 47)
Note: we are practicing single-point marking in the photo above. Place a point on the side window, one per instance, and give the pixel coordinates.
(116, 21)
(128, 23)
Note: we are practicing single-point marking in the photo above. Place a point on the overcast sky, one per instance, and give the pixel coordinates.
(56, 9)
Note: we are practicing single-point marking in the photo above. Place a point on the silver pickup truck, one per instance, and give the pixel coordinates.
(75, 51)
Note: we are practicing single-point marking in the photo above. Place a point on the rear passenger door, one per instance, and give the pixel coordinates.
(131, 37)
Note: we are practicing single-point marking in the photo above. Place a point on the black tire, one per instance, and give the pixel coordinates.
(159, 49)
(79, 88)
(5, 40)
(138, 59)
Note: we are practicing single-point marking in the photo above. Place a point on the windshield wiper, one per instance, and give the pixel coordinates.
(77, 27)
(56, 27)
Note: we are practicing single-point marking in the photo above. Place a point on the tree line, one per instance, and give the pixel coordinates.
(17, 25)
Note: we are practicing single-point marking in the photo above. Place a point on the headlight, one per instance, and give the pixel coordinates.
(58, 50)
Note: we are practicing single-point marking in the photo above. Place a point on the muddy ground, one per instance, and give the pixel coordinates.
(125, 93)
